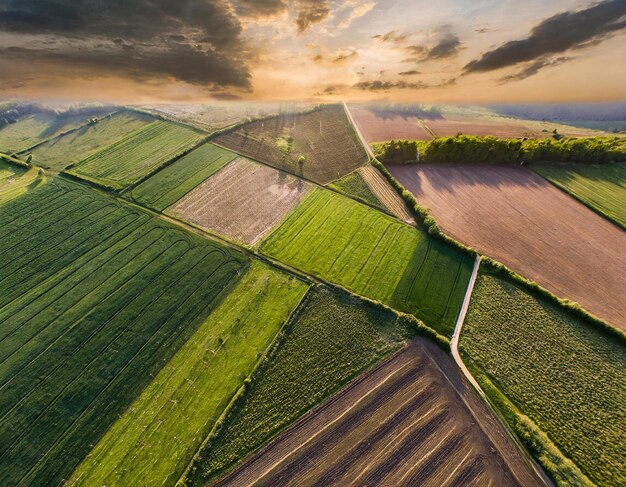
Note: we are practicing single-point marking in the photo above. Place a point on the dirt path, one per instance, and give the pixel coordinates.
(518, 218)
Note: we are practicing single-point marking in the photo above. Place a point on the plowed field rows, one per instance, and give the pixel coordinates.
(385, 193)
(324, 138)
(374, 255)
(518, 218)
(94, 299)
(380, 127)
(244, 201)
(137, 155)
(399, 424)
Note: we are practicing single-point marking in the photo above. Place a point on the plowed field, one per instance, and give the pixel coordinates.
(518, 218)
(385, 193)
(402, 423)
(381, 127)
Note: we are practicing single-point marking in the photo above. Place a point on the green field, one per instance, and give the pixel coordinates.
(95, 299)
(372, 254)
(155, 440)
(166, 187)
(600, 186)
(137, 155)
(69, 149)
(563, 373)
(16, 180)
(355, 186)
(35, 128)
(335, 337)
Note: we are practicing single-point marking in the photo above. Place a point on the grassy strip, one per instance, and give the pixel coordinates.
(354, 185)
(190, 392)
(333, 339)
(14, 160)
(555, 367)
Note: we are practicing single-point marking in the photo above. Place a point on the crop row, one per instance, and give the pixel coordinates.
(95, 302)
(374, 255)
(136, 155)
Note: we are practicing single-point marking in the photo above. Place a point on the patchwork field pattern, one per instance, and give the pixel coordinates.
(602, 187)
(516, 217)
(159, 434)
(69, 149)
(335, 337)
(385, 193)
(324, 138)
(400, 424)
(170, 184)
(562, 372)
(35, 128)
(95, 299)
(137, 155)
(372, 254)
(354, 185)
(244, 201)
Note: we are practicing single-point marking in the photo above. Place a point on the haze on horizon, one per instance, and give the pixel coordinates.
(457, 51)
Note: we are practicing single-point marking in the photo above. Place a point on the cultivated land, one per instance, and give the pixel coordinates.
(380, 127)
(62, 151)
(562, 372)
(155, 440)
(173, 182)
(518, 218)
(16, 180)
(94, 300)
(37, 127)
(399, 424)
(323, 137)
(137, 155)
(372, 254)
(244, 201)
(334, 338)
(354, 185)
(600, 186)
(385, 193)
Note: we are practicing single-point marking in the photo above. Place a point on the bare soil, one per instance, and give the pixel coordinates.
(376, 126)
(385, 193)
(506, 128)
(402, 423)
(516, 217)
(243, 201)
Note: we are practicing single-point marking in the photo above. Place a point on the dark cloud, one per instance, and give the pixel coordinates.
(411, 72)
(195, 41)
(534, 67)
(378, 85)
(447, 45)
(260, 8)
(346, 57)
(336, 89)
(391, 36)
(311, 12)
(557, 34)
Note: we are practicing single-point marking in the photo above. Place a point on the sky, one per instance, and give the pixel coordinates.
(454, 51)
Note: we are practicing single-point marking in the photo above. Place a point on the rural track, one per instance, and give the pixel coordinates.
(367, 147)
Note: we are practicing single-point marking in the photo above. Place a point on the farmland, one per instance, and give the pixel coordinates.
(521, 220)
(15, 180)
(354, 185)
(372, 254)
(62, 151)
(562, 372)
(137, 155)
(219, 205)
(320, 145)
(158, 435)
(399, 424)
(380, 126)
(94, 300)
(386, 193)
(170, 184)
(601, 187)
(333, 339)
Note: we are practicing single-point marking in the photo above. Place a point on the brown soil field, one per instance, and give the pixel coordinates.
(324, 137)
(243, 201)
(385, 193)
(445, 127)
(516, 217)
(403, 423)
(377, 126)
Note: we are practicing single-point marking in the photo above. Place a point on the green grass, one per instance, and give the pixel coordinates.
(35, 128)
(563, 373)
(169, 185)
(69, 149)
(137, 155)
(95, 299)
(355, 186)
(374, 255)
(600, 186)
(16, 180)
(159, 434)
(334, 338)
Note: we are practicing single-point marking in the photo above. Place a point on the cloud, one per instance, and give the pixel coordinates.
(446, 45)
(378, 85)
(311, 12)
(345, 57)
(194, 41)
(335, 89)
(411, 72)
(260, 8)
(356, 11)
(534, 67)
(391, 36)
(556, 34)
